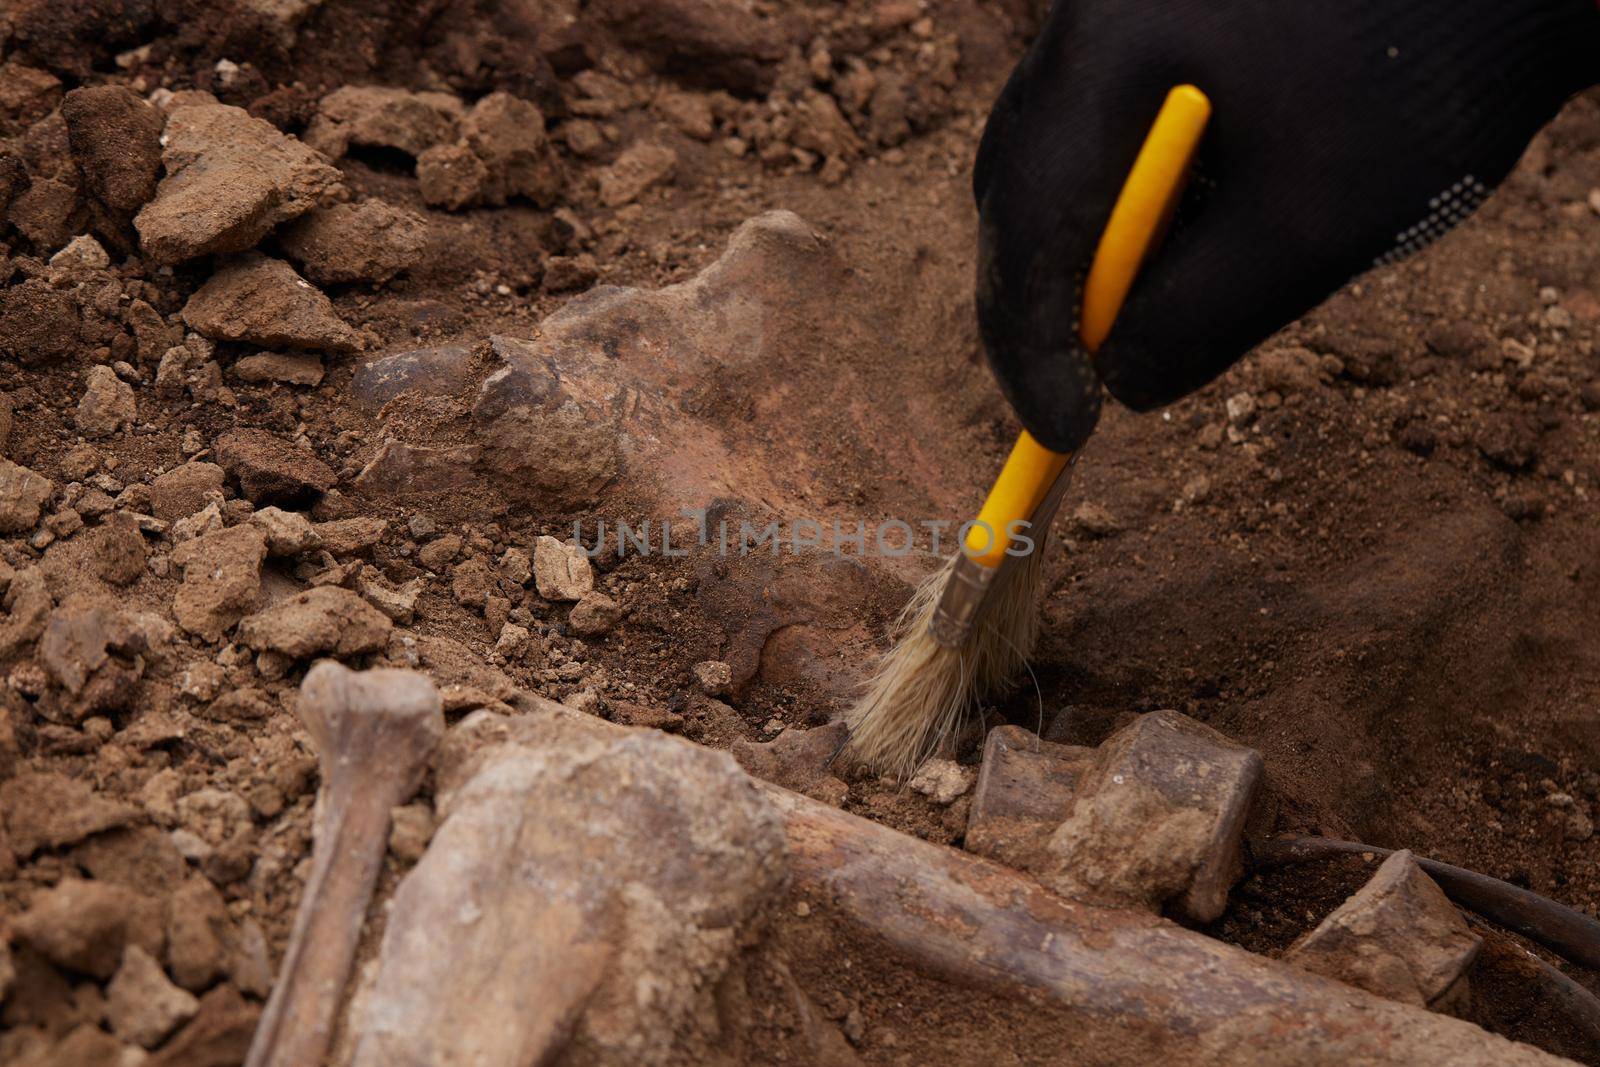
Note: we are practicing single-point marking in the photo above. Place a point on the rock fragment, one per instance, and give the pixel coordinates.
(52, 810)
(726, 45)
(198, 931)
(594, 614)
(561, 570)
(376, 116)
(941, 781)
(119, 549)
(327, 620)
(23, 495)
(288, 533)
(1398, 937)
(116, 140)
(639, 168)
(272, 470)
(231, 179)
(142, 1005)
(689, 112)
(95, 655)
(262, 301)
(221, 579)
(714, 677)
(367, 242)
(503, 153)
(353, 536)
(265, 367)
(184, 490)
(83, 925)
(38, 325)
(107, 404)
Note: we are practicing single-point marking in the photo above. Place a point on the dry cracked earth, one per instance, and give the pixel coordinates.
(323, 322)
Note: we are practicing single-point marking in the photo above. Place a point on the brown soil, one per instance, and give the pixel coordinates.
(1382, 578)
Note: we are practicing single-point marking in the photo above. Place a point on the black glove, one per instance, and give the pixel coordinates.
(1345, 133)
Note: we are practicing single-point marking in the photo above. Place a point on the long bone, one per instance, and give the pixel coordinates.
(375, 732)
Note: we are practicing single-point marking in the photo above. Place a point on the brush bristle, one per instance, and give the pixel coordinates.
(921, 693)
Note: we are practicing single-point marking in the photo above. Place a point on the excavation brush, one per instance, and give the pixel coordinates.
(968, 631)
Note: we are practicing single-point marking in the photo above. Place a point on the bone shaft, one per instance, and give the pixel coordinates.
(1118, 976)
(297, 1026)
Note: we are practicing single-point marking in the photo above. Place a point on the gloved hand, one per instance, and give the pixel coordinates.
(1345, 133)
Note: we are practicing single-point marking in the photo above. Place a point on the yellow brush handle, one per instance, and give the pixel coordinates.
(1142, 211)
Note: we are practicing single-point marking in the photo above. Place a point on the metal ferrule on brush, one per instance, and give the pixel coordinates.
(966, 593)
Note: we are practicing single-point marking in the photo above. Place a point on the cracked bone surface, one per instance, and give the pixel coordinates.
(375, 732)
(587, 886)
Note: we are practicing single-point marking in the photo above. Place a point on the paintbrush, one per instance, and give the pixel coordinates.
(970, 628)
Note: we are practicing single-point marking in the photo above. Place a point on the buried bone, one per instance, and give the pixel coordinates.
(550, 907)
(587, 885)
(374, 732)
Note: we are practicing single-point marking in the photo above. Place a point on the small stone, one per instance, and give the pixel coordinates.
(327, 620)
(375, 116)
(636, 170)
(230, 179)
(561, 570)
(436, 555)
(38, 325)
(248, 704)
(22, 497)
(452, 176)
(83, 925)
(116, 142)
(81, 253)
(142, 1005)
(399, 604)
(272, 470)
(1158, 819)
(714, 678)
(259, 300)
(410, 829)
(512, 641)
(1580, 827)
(266, 367)
(471, 583)
(1241, 409)
(198, 930)
(1094, 522)
(594, 614)
(516, 566)
(201, 681)
(107, 404)
(119, 549)
(689, 112)
(354, 536)
(221, 579)
(184, 490)
(367, 242)
(801, 760)
(288, 533)
(942, 781)
(565, 274)
(52, 810)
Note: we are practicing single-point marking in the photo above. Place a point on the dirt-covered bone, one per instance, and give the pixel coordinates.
(374, 732)
(584, 886)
